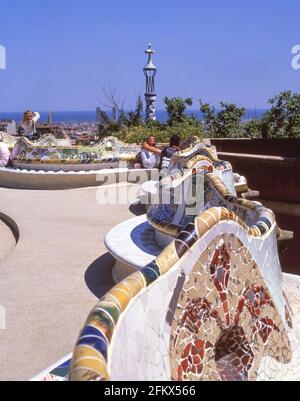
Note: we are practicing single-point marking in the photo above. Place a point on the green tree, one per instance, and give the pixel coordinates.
(253, 129)
(225, 123)
(162, 132)
(283, 119)
(136, 117)
(109, 127)
(176, 109)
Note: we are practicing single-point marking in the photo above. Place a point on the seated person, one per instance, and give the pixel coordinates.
(29, 123)
(4, 153)
(149, 157)
(169, 151)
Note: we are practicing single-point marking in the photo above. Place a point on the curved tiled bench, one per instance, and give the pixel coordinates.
(216, 193)
(167, 221)
(70, 167)
(143, 241)
(210, 306)
(138, 330)
(51, 153)
(150, 188)
(203, 157)
(138, 250)
(51, 163)
(30, 179)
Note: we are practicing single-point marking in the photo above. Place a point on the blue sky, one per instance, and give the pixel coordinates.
(61, 53)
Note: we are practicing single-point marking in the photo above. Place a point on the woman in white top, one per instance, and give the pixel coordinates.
(29, 123)
(150, 154)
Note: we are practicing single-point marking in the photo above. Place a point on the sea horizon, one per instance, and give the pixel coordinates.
(89, 116)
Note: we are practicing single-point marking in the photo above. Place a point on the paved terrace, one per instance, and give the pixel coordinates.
(52, 279)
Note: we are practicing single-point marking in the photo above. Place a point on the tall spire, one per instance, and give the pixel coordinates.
(150, 96)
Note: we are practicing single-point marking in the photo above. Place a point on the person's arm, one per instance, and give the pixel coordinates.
(152, 149)
(36, 117)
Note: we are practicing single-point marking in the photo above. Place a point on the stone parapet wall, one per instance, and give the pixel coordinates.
(276, 178)
(272, 147)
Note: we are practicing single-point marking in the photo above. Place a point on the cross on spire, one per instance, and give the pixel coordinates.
(150, 96)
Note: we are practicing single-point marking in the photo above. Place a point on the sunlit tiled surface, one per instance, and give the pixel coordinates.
(211, 306)
(50, 150)
(225, 321)
(269, 368)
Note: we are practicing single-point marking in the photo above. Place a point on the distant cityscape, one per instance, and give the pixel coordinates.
(81, 127)
(86, 120)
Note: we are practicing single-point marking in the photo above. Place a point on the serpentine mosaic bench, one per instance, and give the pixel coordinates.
(209, 306)
(9, 140)
(144, 235)
(52, 163)
(56, 180)
(51, 154)
(60, 371)
(206, 298)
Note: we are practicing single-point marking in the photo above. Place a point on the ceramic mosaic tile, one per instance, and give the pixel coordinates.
(50, 150)
(209, 307)
(226, 321)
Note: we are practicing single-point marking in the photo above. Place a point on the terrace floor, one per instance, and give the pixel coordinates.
(51, 280)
